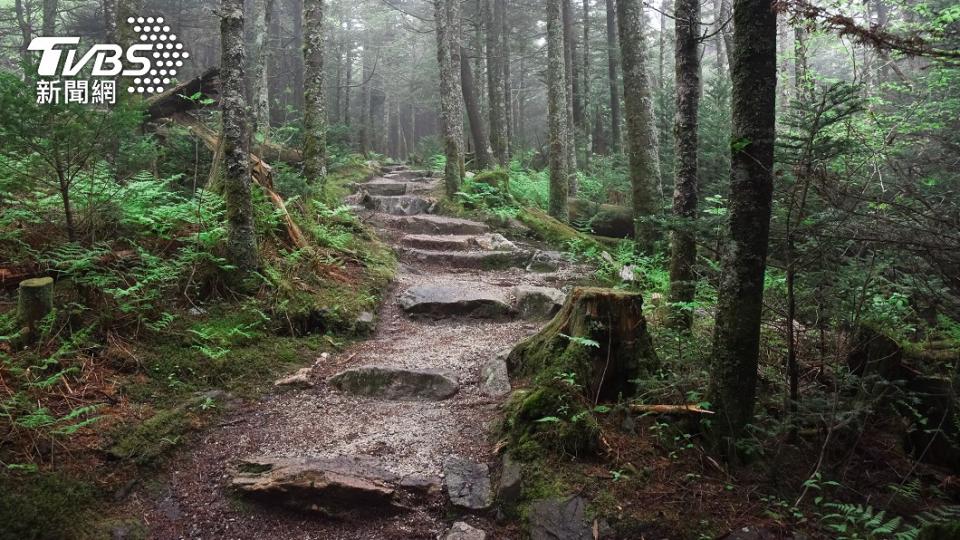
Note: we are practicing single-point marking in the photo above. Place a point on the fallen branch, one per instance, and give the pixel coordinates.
(669, 409)
(260, 171)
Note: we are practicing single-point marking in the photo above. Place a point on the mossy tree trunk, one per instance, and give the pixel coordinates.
(613, 79)
(241, 236)
(446, 18)
(642, 145)
(34, 301)
(740, 297)
(480, 141)
(314, 114)
(569, 76)
(494, 11)
(557, 111)
(683, 242)
(261, 86)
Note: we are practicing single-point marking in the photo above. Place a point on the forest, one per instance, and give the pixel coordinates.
(480, 269)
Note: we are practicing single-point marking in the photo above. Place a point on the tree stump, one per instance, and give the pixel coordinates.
(591, 352)
(35, 301)
(600, 335)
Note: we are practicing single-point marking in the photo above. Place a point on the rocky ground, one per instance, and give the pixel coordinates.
(395, 436)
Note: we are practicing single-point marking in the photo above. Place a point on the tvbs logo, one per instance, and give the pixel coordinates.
(152, 62)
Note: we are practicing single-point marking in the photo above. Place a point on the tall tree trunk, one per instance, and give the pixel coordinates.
(314, 113)
(109, 20)
(348, 80)
(585, 124)
(261, 86)
(49, 23)
(737, 336)
(507, 83)
(480, 142)
(241, 236)
(642, 145)
(557, 111)
(613, 61)
(366, 71)
(683, 248)
(298, 67)
(25, 38)
(726, 29)
(451, 115)
(568, 75)
(493, 11)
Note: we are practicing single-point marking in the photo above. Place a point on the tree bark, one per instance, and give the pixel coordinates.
(109, 20)
(683, 248)
(642, 145)
(314, 114)
(585, 87)
(241, 236)
(49, 22)
(569, 77)
(34, 302)
(613, 61)
(261, 86)
(740, 302)
(557, 111)
(445, 12)
(494, 13)
(480, 142)
(25, 37)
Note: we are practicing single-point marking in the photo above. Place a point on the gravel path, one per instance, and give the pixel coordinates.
(194, 498)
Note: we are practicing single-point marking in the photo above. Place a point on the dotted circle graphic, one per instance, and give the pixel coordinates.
(167, 54)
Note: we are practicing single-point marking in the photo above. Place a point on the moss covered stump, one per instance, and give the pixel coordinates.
(35, 301)
(590, 353)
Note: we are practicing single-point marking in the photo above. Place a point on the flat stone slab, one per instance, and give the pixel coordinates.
(408, 175)
(468, 483)
(401, 205)
(331, 486)
(445, 301)
(440, 242)
(428, 224)
(560, 519)
(486, 260)
(538, 302)
(396, 383)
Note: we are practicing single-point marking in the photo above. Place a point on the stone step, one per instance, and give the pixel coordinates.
(428, 224)
(386, 169)
(455, 300)
(401, 205)
(416, 176)
(396, 383)
(388, 188)
(484, 260)
(457, 242)
(341, 486)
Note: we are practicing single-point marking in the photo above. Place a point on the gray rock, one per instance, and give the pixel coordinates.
(325, 485)
(395, 383)
(545, 261)
(538, 302)
(511, 477)
(365, 323)
(439, 301)
(408, 175)
(494, 380)
(468, 483)
(382, 186)
(449, 242)
(560, 519)
(463, 531)
(494, 242)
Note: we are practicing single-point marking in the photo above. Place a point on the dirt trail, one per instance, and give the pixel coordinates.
(402, 436)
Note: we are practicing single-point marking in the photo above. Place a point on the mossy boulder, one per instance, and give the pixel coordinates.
(590, 352)
(603, 219)
(496, 178)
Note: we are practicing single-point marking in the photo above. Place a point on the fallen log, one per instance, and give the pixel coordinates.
(203, 91)
(260, 171)
(669, 409)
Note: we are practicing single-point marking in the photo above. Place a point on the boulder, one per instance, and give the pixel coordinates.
(560, 519)
(384, 187)
(440, 301)
(331, 486)
(494, 380)
(401, 205)
(493, 242)
(396, 383)
(538, 302)
(463, 531)
(447, 242)
(365, 323)
(468, 483)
